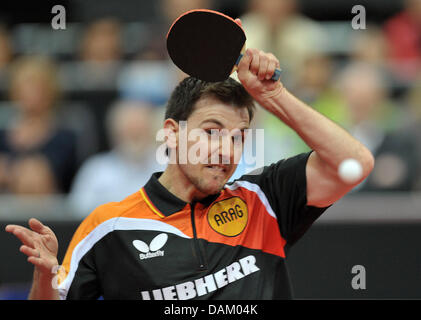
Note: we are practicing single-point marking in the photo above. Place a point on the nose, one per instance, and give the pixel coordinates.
(226, 149)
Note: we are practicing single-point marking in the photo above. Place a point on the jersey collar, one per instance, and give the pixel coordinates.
(163, 202)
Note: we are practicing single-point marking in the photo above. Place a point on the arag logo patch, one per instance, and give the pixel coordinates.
(228, 217)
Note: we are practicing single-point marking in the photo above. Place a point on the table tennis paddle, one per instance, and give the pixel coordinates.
(207, 45)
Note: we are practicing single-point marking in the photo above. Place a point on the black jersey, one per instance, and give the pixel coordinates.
(231, 245)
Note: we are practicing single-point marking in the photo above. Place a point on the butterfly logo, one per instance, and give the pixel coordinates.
(153, 249)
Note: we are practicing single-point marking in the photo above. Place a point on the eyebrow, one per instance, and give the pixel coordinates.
(219, 123)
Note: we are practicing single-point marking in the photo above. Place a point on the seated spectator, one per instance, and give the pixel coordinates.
(414, 124)
(31, 175)
(113, 175)
(379, 124)
(33, 140)
(149, 81)
(315, 87)
(276, 26)
(403, 34)
(99, 57)
(154, 47)
(370, 47)
(6, 55)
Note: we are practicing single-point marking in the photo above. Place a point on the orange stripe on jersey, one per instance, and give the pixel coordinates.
(133, 206)
(150, 204)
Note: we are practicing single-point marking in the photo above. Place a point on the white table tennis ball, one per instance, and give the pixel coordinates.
(350, 171)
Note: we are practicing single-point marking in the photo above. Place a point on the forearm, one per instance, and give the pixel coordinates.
(332, 143)
(42, 287)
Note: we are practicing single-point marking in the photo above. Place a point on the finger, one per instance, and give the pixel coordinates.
(10, 227)
(272, 57)
(24, 235)
(263, 66)
(244, 64)
(271, 69)
(255, 62)
(38, 262)
(30, 252)
(37, 226)
(238, 21)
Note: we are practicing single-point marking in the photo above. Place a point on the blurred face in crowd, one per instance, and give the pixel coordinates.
(5, 49)
(414, 9)
(102, 41)
(363, 92)
(34, 86)
(370, 46)
(172, 9)
(274, 11)
(132, 129)
(316, 72)
(217, 164)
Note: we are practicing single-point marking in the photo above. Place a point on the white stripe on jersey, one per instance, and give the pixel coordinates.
(256, 189)
(117, 223)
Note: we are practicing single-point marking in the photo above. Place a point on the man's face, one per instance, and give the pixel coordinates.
(213, 157)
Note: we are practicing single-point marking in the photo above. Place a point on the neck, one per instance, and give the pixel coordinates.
(175, 181)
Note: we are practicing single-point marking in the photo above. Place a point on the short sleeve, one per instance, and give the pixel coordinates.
(284, 184)
(81, 281)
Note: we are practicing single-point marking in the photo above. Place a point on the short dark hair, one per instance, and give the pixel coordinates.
(184, 97)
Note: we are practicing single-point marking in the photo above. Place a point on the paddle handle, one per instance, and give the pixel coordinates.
(276, 75)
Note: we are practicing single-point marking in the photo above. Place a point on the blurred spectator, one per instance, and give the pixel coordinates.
(149, 81)
(37, 154)
(276, 26)
(152, 77)
(6, 55)
(114, 175)
(101, 42)
(168, 11)
(172, 9)
(99, 60)
(369, 46)
(403, 34)
(314, 86)
(32, 175)
(378, 124)
(414, 103)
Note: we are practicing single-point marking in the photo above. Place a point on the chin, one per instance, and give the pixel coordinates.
(216, 186)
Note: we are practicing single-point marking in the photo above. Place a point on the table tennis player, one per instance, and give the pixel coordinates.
(188, 233)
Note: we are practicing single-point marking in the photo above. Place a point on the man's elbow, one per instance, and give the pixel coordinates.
(367, 162)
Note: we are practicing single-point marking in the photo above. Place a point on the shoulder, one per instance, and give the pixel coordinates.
(293, 166)
(108, 214)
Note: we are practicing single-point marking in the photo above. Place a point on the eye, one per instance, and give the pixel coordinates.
(212, 132)
(239, 138)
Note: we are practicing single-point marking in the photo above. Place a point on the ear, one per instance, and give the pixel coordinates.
(171, 128)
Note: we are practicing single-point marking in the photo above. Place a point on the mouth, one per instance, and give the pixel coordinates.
(218, 168)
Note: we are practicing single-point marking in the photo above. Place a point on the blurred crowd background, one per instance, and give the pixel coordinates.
(80, 107)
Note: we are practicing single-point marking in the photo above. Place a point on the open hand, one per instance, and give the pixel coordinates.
(39, 243)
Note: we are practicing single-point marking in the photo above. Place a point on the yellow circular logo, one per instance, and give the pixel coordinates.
(228, 217)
